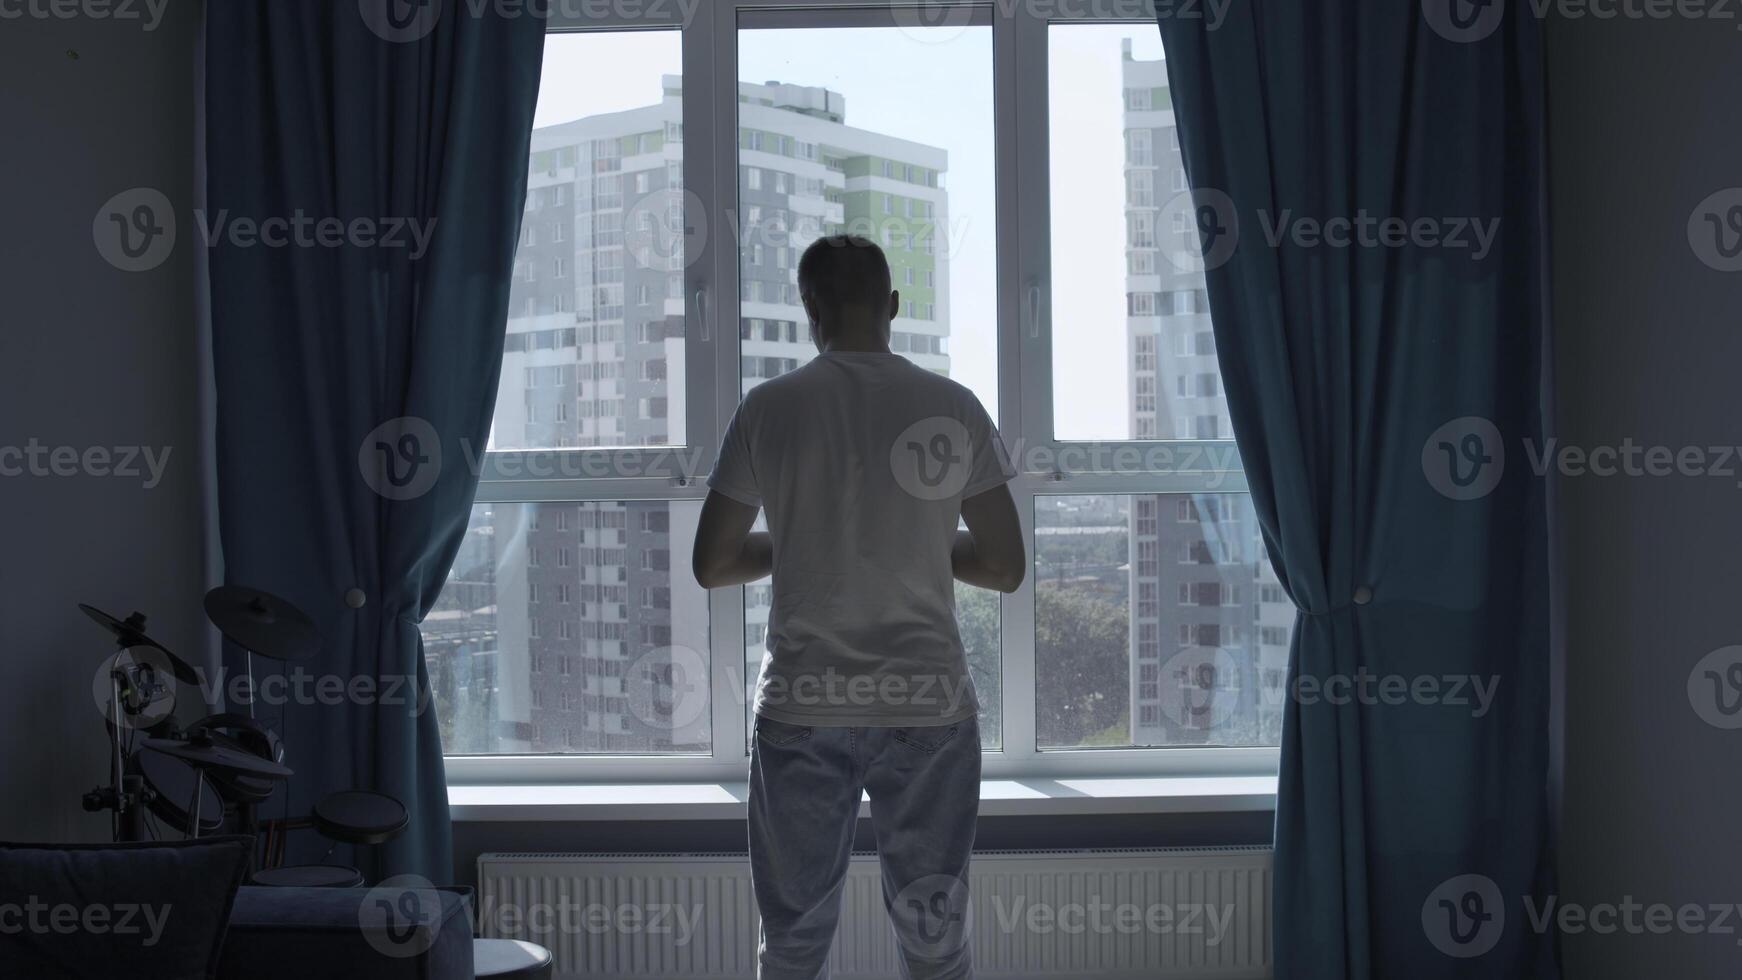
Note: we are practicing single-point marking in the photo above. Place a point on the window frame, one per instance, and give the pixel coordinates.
(713, 376)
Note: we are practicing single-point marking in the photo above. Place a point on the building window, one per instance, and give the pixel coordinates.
(1139, 151)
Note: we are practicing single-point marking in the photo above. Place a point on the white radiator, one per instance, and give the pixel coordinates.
(1133, 914)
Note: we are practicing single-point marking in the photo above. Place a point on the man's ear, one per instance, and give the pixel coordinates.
(810, 314)
(894, 303)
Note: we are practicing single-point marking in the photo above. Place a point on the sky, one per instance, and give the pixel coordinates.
(935, 86)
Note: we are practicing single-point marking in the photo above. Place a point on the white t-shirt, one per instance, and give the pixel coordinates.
(860, 462)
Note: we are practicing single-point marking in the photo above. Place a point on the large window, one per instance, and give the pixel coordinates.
(1020, 169)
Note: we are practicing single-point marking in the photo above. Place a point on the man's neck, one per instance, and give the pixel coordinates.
(863, 341)
(856, 347)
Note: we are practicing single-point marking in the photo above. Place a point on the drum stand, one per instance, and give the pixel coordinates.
(247, 819)
(194, 807)
(248, 660)
(126, 794)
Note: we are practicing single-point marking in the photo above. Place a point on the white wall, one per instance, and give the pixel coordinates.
(90, 356)
(1644, 125)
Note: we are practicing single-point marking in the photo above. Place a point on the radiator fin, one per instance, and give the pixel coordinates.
(1185, 913)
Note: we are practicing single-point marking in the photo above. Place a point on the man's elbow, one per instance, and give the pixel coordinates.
(707, 570)
(1009, 577)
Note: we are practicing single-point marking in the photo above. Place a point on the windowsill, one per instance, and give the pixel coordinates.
(726, 801)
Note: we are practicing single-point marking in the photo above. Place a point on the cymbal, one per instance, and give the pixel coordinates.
(130, 632)
(261, 622)
(205, 753)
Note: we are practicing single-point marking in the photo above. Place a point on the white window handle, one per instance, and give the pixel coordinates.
(1033, 309)
(704, 331)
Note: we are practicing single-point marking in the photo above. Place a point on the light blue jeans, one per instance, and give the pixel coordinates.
(805, 786)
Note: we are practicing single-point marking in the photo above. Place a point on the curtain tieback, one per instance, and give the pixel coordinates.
(1363, 595)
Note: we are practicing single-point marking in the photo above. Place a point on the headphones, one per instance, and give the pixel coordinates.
(242, 732)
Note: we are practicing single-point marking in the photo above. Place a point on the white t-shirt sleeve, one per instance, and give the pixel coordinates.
(990, 465)
(735, 472)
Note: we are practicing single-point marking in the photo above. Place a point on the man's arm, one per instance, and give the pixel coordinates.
(989, 553)
(726, 552)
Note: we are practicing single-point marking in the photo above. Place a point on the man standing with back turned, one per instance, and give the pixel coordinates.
(866, 464)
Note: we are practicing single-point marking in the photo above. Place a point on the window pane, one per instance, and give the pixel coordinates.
(1124, 243)
(979, 617)
(573, 628)
(841, 143)
(594, 354)
(904, 157)
(1158, 622)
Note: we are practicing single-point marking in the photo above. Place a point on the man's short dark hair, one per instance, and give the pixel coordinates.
(842, 272)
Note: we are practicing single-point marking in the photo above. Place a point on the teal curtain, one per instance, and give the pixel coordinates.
(1383, 394)
(356, 361)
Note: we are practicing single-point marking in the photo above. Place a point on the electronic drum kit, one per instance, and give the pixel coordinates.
(222, 768)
